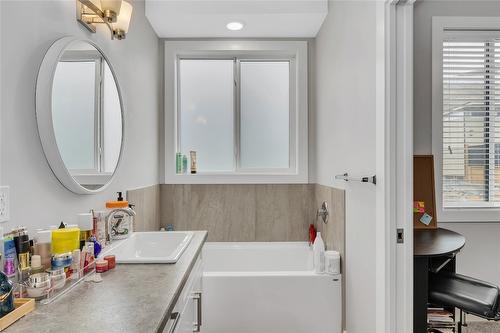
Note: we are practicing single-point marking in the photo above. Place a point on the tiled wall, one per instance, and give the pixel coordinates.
(242, 212)
(239, 212)
(147, 207)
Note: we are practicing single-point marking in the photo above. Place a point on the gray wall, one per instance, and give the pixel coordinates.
(28, 28)
(482, 238)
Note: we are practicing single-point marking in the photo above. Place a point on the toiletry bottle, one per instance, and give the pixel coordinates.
(131, 218)
(194, 163)
(21, 239)
(75, 264)
(312, 234)
(2, 249)
(36, 264)
(10, 262)
(184, 164)
(319, 254)
(22, 244)
(43, 245)
(85, 223)
(100, 228)
(178, 163)
(120, 223)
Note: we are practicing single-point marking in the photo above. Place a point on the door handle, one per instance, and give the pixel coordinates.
(197, 325)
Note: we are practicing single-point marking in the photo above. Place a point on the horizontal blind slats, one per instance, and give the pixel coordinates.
(471, 122)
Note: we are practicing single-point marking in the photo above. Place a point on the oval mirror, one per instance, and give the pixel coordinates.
(79, 115)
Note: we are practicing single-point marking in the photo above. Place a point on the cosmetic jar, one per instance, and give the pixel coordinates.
(111, 261)
(38, 285)
(57, 278)
(62, 260)
(101, 266)
(332, 262)
(39, 280)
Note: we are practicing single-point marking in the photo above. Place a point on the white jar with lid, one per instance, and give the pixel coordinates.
(332, 262)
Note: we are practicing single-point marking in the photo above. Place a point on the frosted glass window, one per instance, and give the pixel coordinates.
(206, 112)
(73, 112)
(265, 114)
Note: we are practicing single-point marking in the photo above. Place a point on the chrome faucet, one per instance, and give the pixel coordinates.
(114, 226)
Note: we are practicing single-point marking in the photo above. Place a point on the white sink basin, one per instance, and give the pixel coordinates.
(157, 247)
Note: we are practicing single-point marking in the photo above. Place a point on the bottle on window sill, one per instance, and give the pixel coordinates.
(184, 164)
(194, 164)
(178, 163)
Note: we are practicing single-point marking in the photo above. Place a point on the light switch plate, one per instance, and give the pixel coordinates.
(4, 204)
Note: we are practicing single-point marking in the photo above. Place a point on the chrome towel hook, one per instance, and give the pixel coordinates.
(345, 176)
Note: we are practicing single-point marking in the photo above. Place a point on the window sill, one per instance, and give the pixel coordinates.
(468, 222)
(222, 178)
(468, 215)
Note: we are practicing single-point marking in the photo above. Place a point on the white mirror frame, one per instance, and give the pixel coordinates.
(43, 96)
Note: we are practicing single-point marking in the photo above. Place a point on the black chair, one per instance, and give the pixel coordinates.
(470, 295)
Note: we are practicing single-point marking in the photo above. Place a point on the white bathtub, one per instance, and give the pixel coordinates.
(267, 288)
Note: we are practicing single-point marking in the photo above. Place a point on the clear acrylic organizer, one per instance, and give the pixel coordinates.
(53, 294)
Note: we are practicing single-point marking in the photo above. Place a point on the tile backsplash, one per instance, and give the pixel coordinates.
(240, 212)
(147, 207)
(260, 212)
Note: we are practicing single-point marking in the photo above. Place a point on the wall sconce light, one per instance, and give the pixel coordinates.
(115, 14)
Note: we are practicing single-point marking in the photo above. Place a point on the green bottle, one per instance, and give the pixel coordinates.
(178, 163)
(184, 164)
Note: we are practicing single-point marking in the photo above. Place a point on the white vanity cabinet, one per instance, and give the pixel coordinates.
(186, 316)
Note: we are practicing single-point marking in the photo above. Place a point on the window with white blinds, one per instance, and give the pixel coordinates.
(471, 122)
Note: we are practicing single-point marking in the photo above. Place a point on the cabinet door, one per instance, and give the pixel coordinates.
(187, 320)
(188, 307)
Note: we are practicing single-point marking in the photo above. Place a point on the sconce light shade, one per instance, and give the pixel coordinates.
(115, 14)
(123, 21)
(96, 3)
(111, 5)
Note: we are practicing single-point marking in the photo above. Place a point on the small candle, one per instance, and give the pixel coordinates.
(101, 266)
(111, 261)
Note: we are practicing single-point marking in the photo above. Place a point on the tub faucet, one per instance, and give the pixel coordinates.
(114, 226)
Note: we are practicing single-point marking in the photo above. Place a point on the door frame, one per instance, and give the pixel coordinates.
(394, 283)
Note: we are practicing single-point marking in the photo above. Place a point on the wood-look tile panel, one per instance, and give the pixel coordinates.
(147, 207)
(283, 212)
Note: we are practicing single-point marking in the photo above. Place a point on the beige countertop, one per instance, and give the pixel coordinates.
(131, 298)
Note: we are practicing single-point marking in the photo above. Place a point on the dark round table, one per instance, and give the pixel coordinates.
(436, 242)
(433, 250)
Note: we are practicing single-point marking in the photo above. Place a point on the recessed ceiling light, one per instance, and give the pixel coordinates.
(234, 26)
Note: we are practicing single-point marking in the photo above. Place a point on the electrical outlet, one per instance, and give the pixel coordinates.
(4, 204)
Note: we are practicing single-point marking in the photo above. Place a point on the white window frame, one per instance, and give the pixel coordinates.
(96, 175)
(296, 53)
(440, 25)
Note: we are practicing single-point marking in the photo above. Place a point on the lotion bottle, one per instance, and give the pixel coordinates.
(319, 254)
